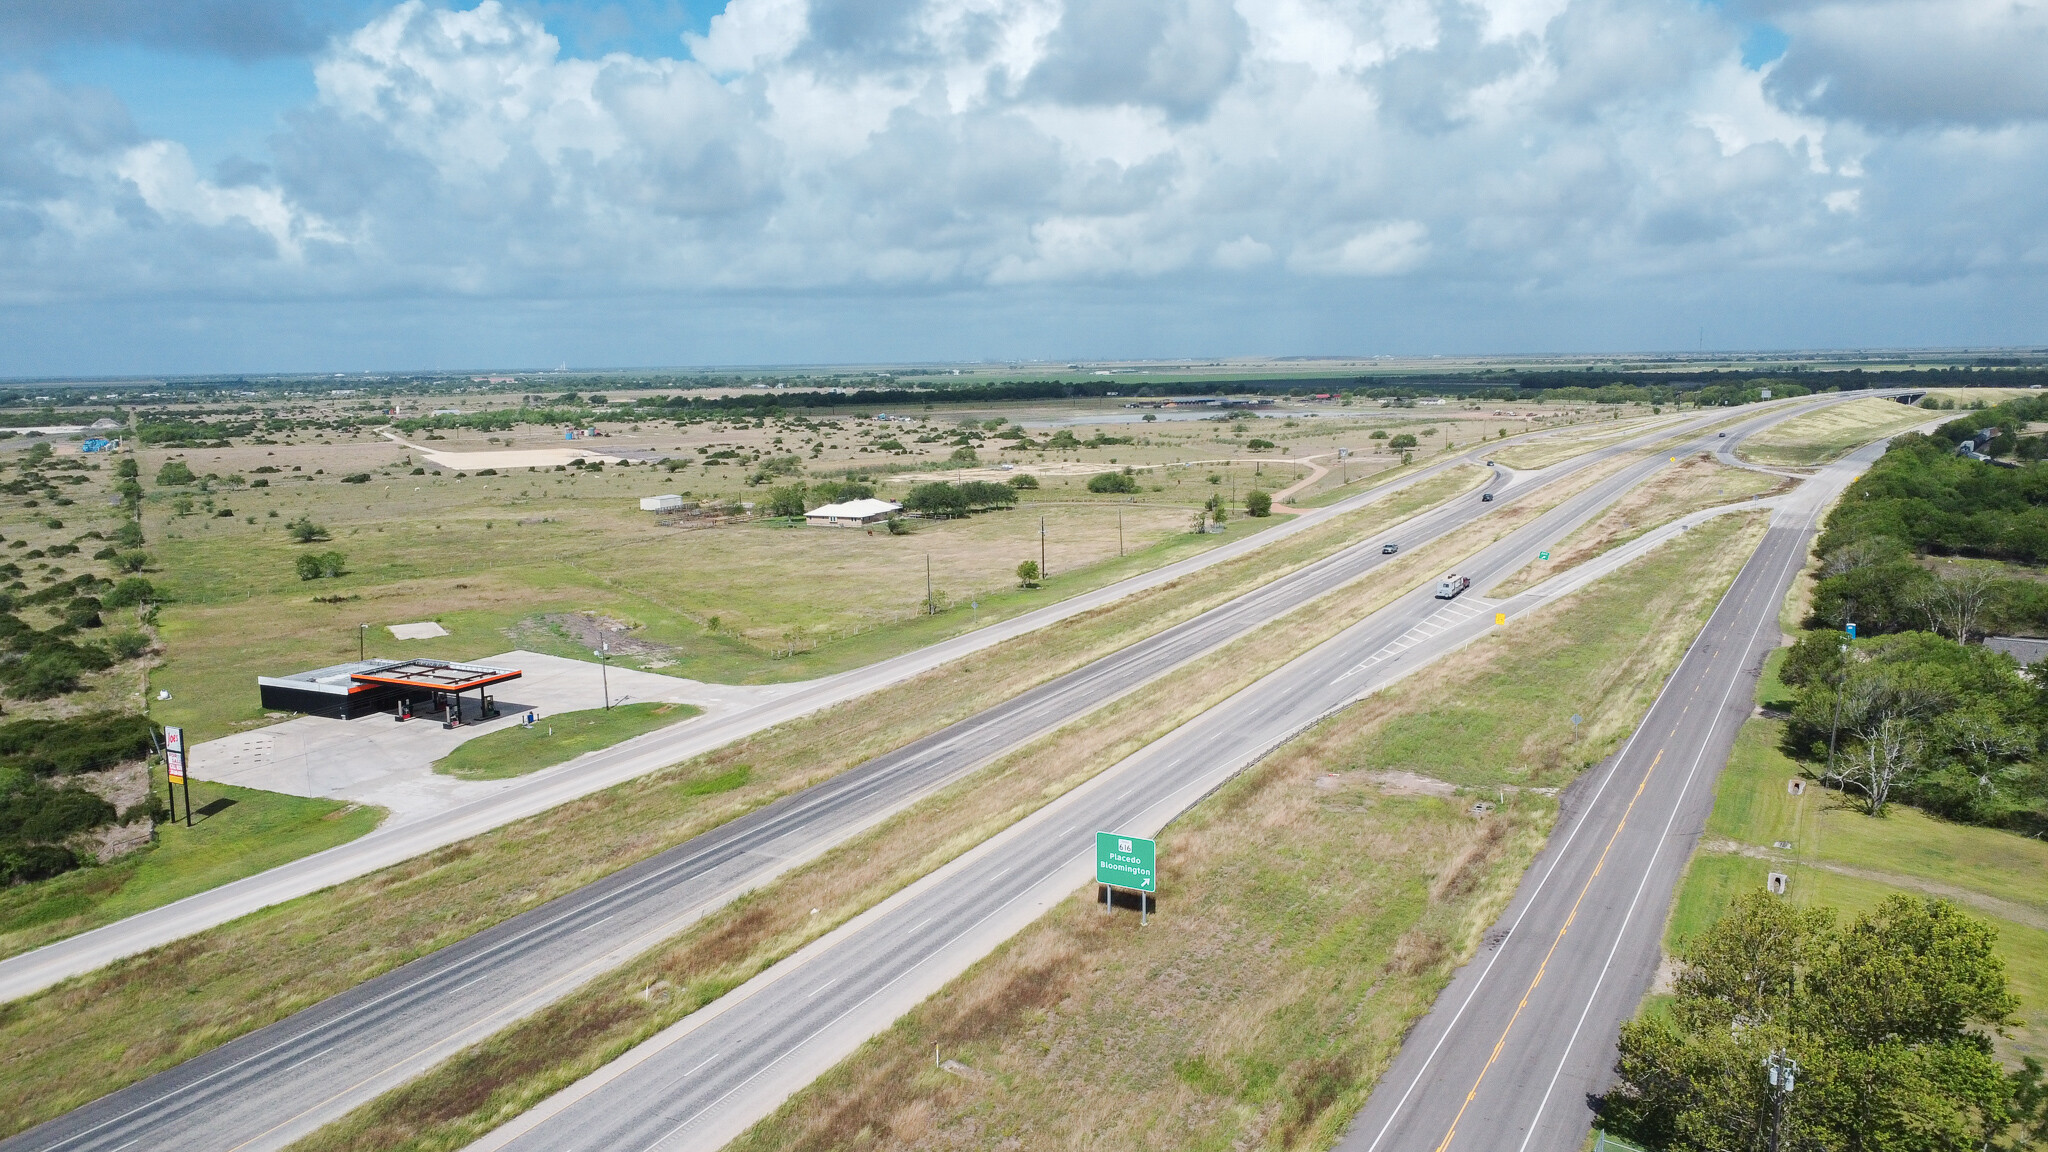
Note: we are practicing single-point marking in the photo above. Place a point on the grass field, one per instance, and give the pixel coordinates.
(1309, 921)
(1683, 486)
(251, 832)
(90, 1035)
(1845, 860)
(521, 749)
(1819, 437)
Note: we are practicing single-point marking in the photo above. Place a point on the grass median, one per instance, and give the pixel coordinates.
(1821, 436)
(91, 1035)
(552, 740)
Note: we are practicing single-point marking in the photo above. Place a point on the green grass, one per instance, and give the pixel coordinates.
(259, 830)
(1821, 436)
(517, 750)
(1848, 861)
(1772, 692)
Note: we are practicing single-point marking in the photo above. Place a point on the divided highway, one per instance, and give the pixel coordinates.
(711, 1076)
(1524, 1035)
(276, 1084)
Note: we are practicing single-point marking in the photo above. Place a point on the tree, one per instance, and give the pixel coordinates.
(1027, 574)
(786, 500)
(1888, 1018)
(1023, 480)
(1217, 509)
(1258, 503)
(175, 472)
(1954, 604)
(1111, 482)
(1404, 440)
(1256, 444)
(938, 500)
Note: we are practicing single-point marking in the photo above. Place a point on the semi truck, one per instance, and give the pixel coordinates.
(1451, 585)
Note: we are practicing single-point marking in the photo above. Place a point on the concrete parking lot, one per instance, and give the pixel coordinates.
(375, 760)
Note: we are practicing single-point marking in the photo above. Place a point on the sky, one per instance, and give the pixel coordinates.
(197, 186)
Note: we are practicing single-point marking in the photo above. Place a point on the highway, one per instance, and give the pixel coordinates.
(1524, 1035)
(278, 1083)
(711, 1076)
(540, 791)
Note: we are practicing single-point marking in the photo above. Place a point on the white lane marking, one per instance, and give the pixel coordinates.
(822, 987)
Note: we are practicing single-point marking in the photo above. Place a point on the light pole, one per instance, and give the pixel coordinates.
(604, 671)
(362, 641)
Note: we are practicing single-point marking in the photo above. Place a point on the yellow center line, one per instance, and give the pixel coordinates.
(1502, 1043)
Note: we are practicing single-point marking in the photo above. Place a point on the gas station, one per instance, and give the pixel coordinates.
(405, 688)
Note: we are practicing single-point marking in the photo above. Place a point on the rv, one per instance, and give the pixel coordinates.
(1451, 585)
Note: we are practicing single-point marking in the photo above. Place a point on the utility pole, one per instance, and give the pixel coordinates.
(1119, 532)
(1782, 1070)
(604, 656)
(1043, 572)
(1841, 678)
(929, 610)
(362, 641)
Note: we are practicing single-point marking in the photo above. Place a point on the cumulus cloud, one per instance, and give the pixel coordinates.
(850, 145)
(1902, 64)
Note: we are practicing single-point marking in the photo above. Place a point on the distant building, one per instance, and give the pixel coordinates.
(660, 503)
(852, 514)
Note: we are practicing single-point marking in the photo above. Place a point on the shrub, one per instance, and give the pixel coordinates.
(897, 527)
(1255, 444)
(83, 612)
(356, 478)
(1258, 503)
(1027, 574)
(259, 483)
(964, 455)
(175, 472)
(127, 467)
(129, 535)
(1107, 482)
(1023, 481)
(107, 553)
(1379, 434)
(77, 744)
(305, 531)
(127, 645)
(129, 592)
(134, 560)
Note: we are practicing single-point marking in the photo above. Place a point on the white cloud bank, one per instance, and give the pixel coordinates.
(842, 146)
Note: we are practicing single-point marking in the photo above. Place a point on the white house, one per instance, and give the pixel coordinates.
(852, 514)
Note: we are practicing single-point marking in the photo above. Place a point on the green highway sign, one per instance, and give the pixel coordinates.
(1543, 555)
(1126, 862)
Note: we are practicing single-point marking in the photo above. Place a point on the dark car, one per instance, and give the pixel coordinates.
(1487, 498)
(1722, 435)
(1389, 549)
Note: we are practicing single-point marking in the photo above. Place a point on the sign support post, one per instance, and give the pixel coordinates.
(174, 771)
(1126, 862)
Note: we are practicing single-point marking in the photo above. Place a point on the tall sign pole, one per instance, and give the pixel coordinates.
(174, 771)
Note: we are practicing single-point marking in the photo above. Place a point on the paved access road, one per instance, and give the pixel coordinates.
(1525, 1034)
(709, 1077)
(278, 1083)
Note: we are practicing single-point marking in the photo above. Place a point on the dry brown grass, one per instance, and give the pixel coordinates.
(91, 1035)
(1692, 483)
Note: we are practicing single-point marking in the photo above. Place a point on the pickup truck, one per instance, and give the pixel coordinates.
(1451, 585)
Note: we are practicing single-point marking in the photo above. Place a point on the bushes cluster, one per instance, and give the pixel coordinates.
(1112, 482)
(319, 565)
(77, 744)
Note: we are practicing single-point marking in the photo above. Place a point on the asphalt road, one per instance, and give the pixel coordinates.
(708, 1078)
(1524, 1037)
(267, 1088)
